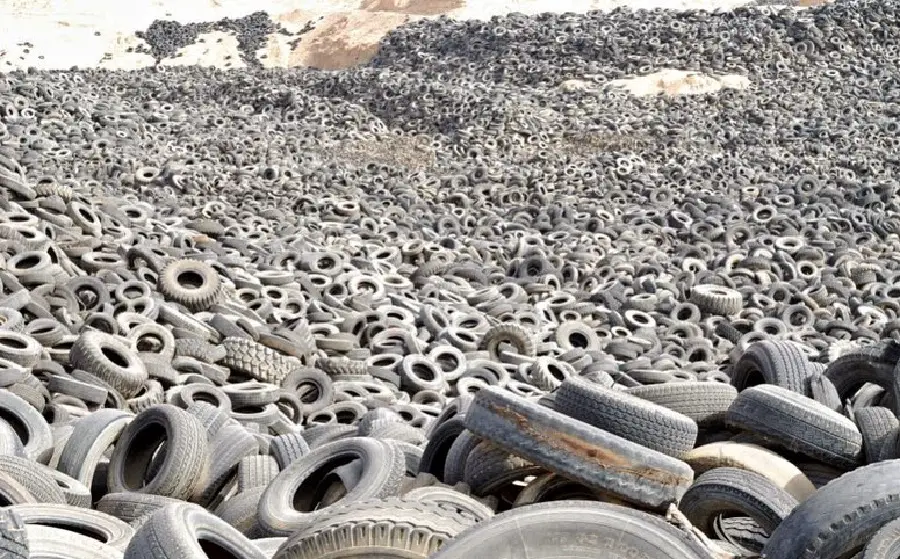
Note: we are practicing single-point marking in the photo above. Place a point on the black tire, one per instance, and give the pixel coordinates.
(434, 457)
(726, 491)
(186, 531)
(704, 402)
(797, 423)
(406, 530)
(878, 427)
(574, 449)
(874, 364)
(840, 518)
(104, 528)
(185, 465)
(780, 363)
(573, 529)
(458, 455)
(110, 360)
(383, 468)
(191, 283)
(490, 469)
(630, 417)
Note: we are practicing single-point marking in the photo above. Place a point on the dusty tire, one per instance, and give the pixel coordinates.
(109, 360)
(780, 363)
(191, 283)
(185, 465)
(576, 529)
(100, 526)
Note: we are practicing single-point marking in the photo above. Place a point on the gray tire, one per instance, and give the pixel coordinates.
(54, 543)
(256, 471)
(110, 360)
(184, 467)
(129, 507)
(841, 518)
(13, 536)
(780, 363)
(730, 491)
(90, 438)
(573, 529)
(704, 402)
(885, 544)
(878, 427)
(574, 449)
(100, 526)
(186, 531)
(798, 423)
(289, 503)
(29, 425)
(630, 417)
(458, 455)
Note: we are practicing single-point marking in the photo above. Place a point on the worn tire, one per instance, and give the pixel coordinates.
(780, 363)
(573, 529)
(100, 526)
(841, 517)
(182, 470)
(574, 449)
(704, 402)
(797, 423)
(191, 283)
(630, 417)
(879, 428)
(110, 360)
(30, 426)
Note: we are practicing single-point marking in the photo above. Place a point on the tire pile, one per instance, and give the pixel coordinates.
(439, 306)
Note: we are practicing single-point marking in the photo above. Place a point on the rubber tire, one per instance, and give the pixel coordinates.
(573, 530)
(630, 417)
(383, 468)
(256, 471)
(286, 449)
(179, 532)
(798, 423)
(577, 450)
(37, 479)
(129, 507)
(490, 468)
(91, 436)
(185, 465)
(440, 441)
(878, 427)
(822, 390)
(385, 528)
(841, 517)
(780, 363)
(885, 544)
(458, 455)
(452, 499)
(873, 364)
(88, 354)
(100, 526)
(194, 299)
(13, 536)
(54, 543)
(752, 458)
(704, 402)
(29, 425)
(731, 490)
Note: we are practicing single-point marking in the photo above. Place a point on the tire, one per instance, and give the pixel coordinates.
(383, 468)
(726, 491)
(314, 388)
(822, 390)
(752, 458)
(90, 438)
(269, 545)
(841, 517)
(885, 544)
(451, 499)
(256, 471)
(186, 531)
(183, 469)
(76, 493)
(13, 536)
(878, 427)
(99, 526)
(191, 283)
(406, 530)
(226, 450)
(561, 444)
(286, 449)
(434, 457)
(715, 299)
(53, 543)
(874, 364)
(110, 360)
(199, 349)
(704, 402)
(630, 417)
(490, 468)
(36, 479)
(129, 507)
(29, 425)
(240, 511)
(458, 455)
(798, 423)
(779, 363)
(255, 360)
(744, 533)
(509, 333)
(573, 529)
(251, 394)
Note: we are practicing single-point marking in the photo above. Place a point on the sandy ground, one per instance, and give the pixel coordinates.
(59, 34)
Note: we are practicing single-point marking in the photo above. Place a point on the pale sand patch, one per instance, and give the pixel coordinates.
(679, 82)
(217, 48)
